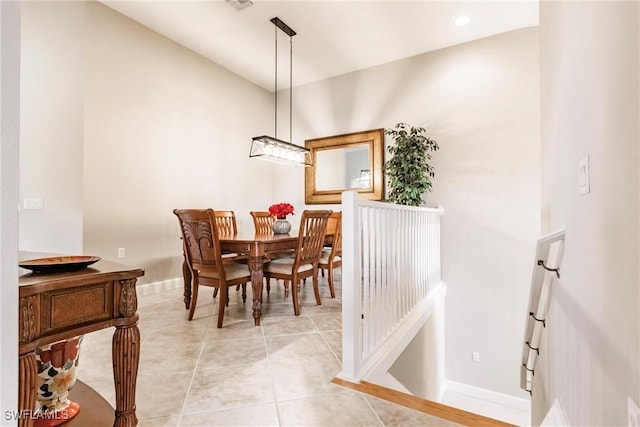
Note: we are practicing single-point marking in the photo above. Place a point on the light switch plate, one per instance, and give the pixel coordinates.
(583, 176)
(33, 204)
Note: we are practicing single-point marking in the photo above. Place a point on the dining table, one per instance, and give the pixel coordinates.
(256, 246)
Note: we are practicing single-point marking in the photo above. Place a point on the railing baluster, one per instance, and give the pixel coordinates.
(391, 263)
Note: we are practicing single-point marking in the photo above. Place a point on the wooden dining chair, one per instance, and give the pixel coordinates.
(226, 222)
(313, 226)
(202, 251)
(331, 257)
(331, 227)
(263, 222)
(227, 225)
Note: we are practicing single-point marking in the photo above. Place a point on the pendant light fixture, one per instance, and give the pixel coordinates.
(271, 148)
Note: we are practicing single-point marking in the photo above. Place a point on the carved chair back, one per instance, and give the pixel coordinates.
(226, 222)
(263, 222)
(200, 239)
(332, 258)
(335, 222)
(313, 226)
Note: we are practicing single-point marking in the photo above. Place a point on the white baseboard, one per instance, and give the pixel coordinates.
(443, 390)
(164, 285)
(489, 395)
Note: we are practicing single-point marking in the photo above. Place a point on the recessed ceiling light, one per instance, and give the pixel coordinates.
(240, 4)
(462, 20)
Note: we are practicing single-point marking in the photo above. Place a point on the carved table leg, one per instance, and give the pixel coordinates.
(28, 369)
(126, 355)
(255, 266)
(186, 274)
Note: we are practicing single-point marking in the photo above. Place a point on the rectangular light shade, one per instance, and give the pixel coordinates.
(267, 148)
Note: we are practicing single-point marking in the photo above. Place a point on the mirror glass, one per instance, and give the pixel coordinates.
(352, 161)
(343, 168)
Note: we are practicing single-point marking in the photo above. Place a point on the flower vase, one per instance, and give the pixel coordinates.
(57, 363)
(281, 226)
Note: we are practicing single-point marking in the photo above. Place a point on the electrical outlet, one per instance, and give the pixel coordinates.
(633, 413)
(121, 253)
(475, 356)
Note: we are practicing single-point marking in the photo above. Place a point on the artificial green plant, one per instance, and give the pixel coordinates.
(408, 171)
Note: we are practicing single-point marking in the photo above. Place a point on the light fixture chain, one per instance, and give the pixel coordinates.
(290, 88)
(272, 148)
(275, 93)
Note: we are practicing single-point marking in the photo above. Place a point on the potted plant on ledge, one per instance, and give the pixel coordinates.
(408, 171)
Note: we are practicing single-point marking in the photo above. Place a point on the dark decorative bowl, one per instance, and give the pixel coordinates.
(58, 264)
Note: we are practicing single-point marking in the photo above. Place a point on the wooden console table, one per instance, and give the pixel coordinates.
(58, 306)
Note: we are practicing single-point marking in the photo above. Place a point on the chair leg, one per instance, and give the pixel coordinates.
(224, 299)
(322, 272)
(316, 290)
(244, 292)
(186, 275)
(215, 292)
(286, 289)
(295, 290)
(194, 298)
(331, 288)
(268, 285)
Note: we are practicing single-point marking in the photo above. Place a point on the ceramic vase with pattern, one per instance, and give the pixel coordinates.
(57, 363)
(281, 226)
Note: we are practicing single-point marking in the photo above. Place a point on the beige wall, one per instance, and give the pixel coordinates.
(480, 101)
(51, 126)
(589, 105)
(421, 366)
(161, 128)
(164, 129)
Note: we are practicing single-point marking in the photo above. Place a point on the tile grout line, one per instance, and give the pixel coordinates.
(324, 339)
(273, 389)
(195, 368)
(372, 408)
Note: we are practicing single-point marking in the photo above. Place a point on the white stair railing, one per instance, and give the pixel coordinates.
(391, 266)
(546, 270)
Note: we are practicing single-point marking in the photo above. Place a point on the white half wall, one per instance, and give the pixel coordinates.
(590, 354)
(9, 175)
(421, 367)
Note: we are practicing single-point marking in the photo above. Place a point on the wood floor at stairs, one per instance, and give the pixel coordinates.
(432, 408)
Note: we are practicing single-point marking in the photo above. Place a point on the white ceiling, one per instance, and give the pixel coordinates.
(334, 37)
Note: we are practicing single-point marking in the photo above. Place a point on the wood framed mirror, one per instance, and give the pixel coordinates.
(352, 161)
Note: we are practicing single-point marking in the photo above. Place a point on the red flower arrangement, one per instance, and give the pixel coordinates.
(281, 210)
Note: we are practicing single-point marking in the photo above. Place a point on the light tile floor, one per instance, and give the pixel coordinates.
(278, 374)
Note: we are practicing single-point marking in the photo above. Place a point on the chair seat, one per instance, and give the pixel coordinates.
(233, 271)
(324, 259)
(290, 253)
(231, 258)
(285, 266)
